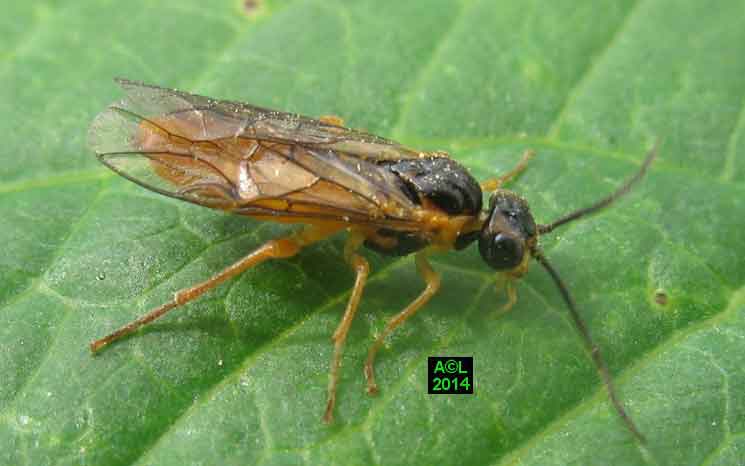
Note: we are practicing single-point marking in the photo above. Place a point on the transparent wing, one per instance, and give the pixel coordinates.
(217, 119)
(247, 159)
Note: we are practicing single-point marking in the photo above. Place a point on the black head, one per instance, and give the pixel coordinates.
(509, 238)
(509, 233)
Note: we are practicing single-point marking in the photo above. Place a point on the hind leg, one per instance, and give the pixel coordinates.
(274, 249)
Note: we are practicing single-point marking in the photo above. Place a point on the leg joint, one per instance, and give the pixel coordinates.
(182, 296)
(282, 248)
(359, 264)
(434, 281)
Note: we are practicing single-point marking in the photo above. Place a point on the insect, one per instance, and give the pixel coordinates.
(289, 168)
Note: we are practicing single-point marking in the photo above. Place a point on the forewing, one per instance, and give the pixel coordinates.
(217, 119)
(239, 157)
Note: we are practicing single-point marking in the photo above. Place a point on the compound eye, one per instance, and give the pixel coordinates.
(501, 251)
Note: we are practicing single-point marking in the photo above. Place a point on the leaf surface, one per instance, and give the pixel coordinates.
(239, 377)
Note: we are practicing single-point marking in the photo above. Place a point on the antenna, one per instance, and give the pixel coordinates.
(584, 332)
(594, 350)
(606, 201)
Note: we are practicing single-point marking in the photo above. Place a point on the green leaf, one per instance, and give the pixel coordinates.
(239, 377)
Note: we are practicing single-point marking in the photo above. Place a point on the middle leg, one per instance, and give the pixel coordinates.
(360, 266)
(432, 279)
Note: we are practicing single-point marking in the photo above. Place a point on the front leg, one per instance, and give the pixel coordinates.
(496, 183)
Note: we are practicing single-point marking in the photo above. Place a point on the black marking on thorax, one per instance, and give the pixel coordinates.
(442, 181)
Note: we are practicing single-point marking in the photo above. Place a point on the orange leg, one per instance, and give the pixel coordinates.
(359, 264)
(332, 120)
(496, 183)
(432, 279)
(274, 249)
(508, 283)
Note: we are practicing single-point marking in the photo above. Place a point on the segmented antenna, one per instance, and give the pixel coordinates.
(606, 201)
(578, 322)
(591, 346)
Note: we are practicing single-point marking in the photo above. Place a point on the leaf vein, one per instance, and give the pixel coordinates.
(729, 170)
(426, 70)
(248, 362)
(590, 69)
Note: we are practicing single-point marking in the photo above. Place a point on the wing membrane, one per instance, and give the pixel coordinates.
(223, 119)
(247, 159)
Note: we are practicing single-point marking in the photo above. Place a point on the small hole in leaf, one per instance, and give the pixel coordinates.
(250, 7)
(661, 297)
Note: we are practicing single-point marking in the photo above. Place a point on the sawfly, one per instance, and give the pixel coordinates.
(289, 168)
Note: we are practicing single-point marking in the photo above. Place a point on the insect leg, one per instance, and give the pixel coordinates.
(361, 267)
(432, 279)
(332, 120)
(496, 183)
(274, 249)
(509, 287)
